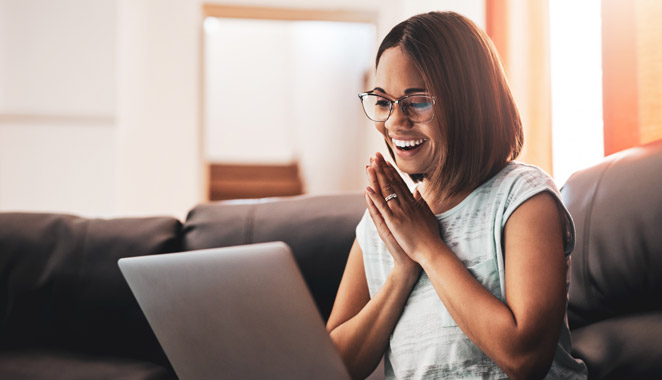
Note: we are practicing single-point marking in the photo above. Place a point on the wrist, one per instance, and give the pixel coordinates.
(406, 274)
(428, 253)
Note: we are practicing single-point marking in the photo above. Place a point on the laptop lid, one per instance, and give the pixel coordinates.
(241, 312)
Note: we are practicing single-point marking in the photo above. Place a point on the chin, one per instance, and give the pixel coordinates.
(409, 171)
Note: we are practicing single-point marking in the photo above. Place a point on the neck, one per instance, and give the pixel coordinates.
(440, 203)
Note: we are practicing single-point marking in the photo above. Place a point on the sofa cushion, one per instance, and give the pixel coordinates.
(621, 348)
(303, 222)
(63, 365)
(617, 261)
(61, 286)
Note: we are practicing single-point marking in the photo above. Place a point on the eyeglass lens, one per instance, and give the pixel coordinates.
(418, 109)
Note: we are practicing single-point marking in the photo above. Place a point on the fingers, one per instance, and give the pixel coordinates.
(372, 179)
(385, 185)
(390, 178)
(396, 180)
(377, 178)
(383, 229)
(378, 205)
(372, 209)
(417, 196)
(385, 180)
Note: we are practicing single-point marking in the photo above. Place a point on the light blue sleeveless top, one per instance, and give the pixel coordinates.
(426, 343)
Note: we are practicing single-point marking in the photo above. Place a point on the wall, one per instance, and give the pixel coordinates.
(158, 162)
(248, 91)
(57, 105)
(124, 134)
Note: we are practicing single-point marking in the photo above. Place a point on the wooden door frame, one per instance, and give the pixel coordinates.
(286, 14)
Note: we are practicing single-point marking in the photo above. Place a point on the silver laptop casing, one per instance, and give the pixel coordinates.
(240, 312)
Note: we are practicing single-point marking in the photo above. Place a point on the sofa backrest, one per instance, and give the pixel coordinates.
(617, 261)
(319, 229)
(60, 285)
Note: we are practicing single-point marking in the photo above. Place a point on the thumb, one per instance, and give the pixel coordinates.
(418, 198)
(417, 194)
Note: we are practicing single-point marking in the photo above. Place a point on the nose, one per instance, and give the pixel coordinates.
(398, 119)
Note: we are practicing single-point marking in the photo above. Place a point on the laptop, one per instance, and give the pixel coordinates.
(241, 312)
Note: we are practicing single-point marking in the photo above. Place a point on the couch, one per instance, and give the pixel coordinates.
(66, 312)
(615, 306)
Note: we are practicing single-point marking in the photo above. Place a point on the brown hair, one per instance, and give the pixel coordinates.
(479, 123)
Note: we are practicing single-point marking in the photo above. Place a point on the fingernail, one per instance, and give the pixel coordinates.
(370, 190)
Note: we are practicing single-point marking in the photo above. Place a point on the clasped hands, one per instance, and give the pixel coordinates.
(404, 221)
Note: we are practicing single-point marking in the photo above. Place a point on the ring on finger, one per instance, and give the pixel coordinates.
(391, 196)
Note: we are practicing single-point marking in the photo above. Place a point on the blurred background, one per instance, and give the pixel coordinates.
(143, 107)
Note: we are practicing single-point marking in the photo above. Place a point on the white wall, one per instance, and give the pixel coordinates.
(105, 93)
(57, 105)
(332, 131)
(61, 168)
(58, 57)
(248, 91)
(159, 161)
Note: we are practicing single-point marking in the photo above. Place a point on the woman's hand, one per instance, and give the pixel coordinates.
(404, 222)
(375, 190)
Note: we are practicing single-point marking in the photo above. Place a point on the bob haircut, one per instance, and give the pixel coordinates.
(478, 120)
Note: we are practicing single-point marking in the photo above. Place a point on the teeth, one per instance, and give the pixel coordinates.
(408, 143)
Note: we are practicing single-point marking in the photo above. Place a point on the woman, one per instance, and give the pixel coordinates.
(466, 277)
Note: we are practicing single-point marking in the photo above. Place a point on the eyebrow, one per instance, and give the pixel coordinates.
(407, 91)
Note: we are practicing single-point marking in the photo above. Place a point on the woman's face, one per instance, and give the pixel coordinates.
(415, 145)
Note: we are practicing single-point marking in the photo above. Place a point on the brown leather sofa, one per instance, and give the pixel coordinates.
(615, 308)
(66, 312)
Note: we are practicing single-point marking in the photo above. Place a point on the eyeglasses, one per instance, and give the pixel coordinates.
(417, 108)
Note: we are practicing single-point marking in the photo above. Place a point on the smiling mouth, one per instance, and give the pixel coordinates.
(408, 144)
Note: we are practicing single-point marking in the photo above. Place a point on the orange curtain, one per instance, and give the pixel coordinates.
(520, 32)
(632, 73)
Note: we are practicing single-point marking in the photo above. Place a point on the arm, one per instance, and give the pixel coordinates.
(360, 327)
(521, 335)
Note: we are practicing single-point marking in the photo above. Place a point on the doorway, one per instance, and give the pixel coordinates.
(279, 100)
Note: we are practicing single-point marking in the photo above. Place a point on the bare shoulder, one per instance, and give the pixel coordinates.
(540, 208)
(535, 230)
(535, 262)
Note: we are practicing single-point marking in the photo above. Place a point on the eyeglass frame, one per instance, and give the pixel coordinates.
(397, 101)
